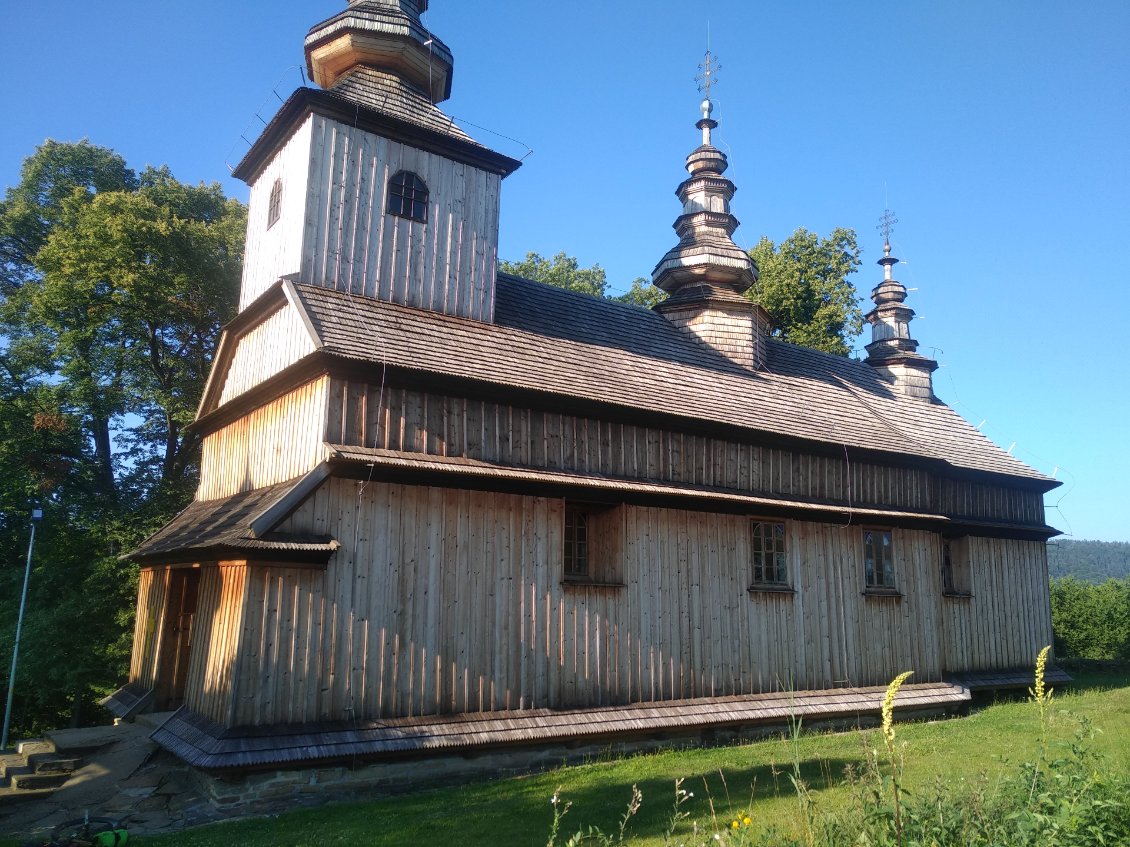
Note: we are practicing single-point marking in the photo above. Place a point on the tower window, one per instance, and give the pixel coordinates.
(274, 205)
(407, 197)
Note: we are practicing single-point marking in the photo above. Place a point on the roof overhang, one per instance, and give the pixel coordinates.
(424, 469)
(307, 101)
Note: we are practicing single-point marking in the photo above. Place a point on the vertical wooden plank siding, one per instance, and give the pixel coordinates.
(152, 588)
(453, 601)
(275, 251)
(1007, 620)
(279, 341)
(447, 264)
(398, 418)
(278, 441)
(217, 629)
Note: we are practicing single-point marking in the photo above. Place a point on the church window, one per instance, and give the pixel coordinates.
(768, 554)
(274, 205)
(956, 572)
(878, 560)
(593, 545)
(407, 197)
(576, 543)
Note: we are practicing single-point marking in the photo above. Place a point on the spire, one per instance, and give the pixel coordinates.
(706, 252)
(892, 349)
(385, 35)
(706, 273)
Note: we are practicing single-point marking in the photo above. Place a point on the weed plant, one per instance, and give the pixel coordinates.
(1060, 797)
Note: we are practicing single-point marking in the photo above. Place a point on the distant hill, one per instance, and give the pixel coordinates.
(1091, 561)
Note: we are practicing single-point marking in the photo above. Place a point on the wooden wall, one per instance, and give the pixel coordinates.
(152, 590)
(218, 631)
(414, 421)
(351, 244)
(1007, 620)
(276, 251)
(278, 441)
(451, 601)
(279, 341)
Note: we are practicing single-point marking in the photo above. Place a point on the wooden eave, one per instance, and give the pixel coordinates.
(452, 472)
(306, 101)
(240, 527)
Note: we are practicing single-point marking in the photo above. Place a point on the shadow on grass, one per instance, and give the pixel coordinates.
(717, 798)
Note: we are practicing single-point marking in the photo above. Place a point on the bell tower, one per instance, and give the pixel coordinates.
(363, 184)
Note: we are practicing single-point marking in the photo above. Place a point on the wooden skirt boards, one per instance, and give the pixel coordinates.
(205, 744)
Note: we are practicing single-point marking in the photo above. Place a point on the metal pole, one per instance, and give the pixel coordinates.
(36, 514)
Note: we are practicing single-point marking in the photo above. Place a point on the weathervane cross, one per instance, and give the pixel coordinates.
(887, 224)
(708, 74)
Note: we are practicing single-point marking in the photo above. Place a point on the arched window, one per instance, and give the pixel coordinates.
(274, 206)
(408, 197)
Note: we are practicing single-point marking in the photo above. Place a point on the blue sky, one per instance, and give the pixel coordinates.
(998, 132)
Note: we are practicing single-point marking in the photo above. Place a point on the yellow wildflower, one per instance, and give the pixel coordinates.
(734, 824)
(889, 707)
(747, 820)
(1040, 692)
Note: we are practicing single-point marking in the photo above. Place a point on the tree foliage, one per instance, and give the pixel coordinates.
(1091, 561)
(804, 286)
(642, 294)
(113, 287)
(1091, 621)
(561, 271)
(805, 289)
(564, 271)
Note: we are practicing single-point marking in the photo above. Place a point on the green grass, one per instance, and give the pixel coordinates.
(985, 745)
(518, 811)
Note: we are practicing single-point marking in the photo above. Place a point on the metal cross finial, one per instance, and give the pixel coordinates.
(887, 224)
(708, 74)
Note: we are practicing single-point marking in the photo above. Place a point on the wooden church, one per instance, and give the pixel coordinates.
(443, 508)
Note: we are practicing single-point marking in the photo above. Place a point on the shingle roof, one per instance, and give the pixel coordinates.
(548, 339)
(224, 525)
(390, 95)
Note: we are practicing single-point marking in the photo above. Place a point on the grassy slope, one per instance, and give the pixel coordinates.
(517, 811)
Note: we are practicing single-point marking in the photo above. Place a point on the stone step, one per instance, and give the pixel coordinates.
(37, 745)
(10, 796)
(54, 764)
(7, 771)
(11, 764)
(25, 781)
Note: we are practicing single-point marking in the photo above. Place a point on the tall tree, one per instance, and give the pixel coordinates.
(805, 289)
(113, 290)
(31, 209)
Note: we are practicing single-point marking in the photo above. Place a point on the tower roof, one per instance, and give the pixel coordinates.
(706, 253)
(382, 34)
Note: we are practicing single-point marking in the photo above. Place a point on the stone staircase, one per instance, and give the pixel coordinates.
(36, 768)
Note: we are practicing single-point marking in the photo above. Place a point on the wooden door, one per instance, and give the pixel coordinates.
(176, 641)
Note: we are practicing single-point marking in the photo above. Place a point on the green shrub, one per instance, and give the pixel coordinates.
(1091, 621)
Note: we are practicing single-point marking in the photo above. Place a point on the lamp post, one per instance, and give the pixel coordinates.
(36, 517)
